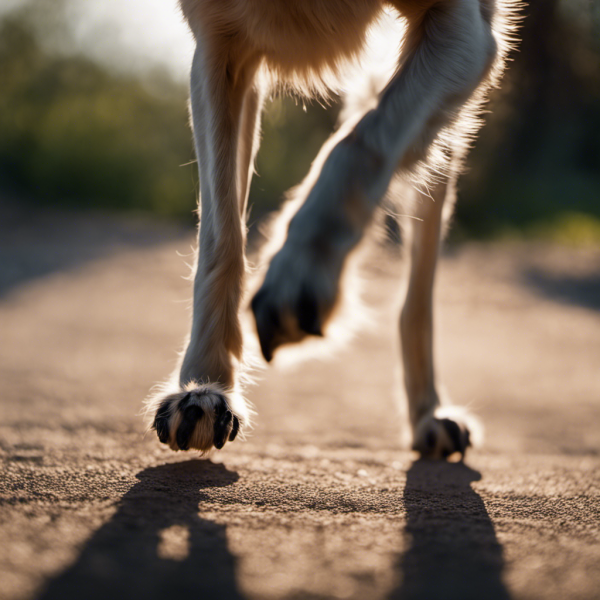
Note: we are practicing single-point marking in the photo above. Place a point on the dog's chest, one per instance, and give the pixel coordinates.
(311, 34)
(296, 37)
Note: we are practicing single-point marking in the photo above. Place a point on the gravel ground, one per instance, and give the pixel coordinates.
(323, 500)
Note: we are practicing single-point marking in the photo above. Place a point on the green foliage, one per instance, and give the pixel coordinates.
(293, 133)
(537, 161)
(570, 228)
(72, 133)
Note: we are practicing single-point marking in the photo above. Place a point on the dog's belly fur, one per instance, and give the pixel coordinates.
(298, 40)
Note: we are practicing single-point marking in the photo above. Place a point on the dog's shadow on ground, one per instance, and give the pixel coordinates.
(123, 558)
(454, 552)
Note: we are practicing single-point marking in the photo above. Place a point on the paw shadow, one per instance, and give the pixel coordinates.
(123, 558)
(454, 551)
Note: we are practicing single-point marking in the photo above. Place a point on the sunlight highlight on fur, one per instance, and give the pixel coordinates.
(414, 76)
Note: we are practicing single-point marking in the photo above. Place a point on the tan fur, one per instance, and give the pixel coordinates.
(407, 122)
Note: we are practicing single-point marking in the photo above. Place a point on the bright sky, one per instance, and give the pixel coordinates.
(144, 29)
(129, 33)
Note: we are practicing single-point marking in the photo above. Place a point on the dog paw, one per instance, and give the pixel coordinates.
(439, 436)
(200, 418)
(295, 300)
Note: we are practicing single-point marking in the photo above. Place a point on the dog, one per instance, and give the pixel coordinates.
(410, 134)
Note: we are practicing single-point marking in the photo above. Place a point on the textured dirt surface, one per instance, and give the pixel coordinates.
(322, 500)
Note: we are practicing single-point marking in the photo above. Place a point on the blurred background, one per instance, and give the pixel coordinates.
(93, 115)
(98, 188)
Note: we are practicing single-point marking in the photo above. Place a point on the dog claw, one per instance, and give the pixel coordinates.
(267, 324)
(234, 429)
(161, 422)
(307, 313)
(223, 427)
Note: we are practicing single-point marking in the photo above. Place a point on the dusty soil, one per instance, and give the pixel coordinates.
(323, 500)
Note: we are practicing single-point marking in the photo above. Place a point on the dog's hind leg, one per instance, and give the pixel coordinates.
(448, 51)
(438, 431)
(205, 408)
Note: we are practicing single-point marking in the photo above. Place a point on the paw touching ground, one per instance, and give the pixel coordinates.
(199, 418)
(440, 435)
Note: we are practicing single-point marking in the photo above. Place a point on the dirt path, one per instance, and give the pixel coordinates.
(322, 501)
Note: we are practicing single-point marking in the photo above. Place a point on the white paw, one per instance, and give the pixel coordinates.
(199, 417)
(446, 432)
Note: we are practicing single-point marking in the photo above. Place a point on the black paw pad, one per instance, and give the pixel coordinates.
(223, 425)
(431, 440)
(460, 439)
(190, 416)
(307, 312)
(161, 422)
(267, 323)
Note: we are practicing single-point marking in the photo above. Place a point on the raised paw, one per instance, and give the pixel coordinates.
(199, 418)
(438, 437)
(295, 300)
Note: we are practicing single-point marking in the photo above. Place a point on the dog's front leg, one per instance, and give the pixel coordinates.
(448, 51)
(205, 407)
